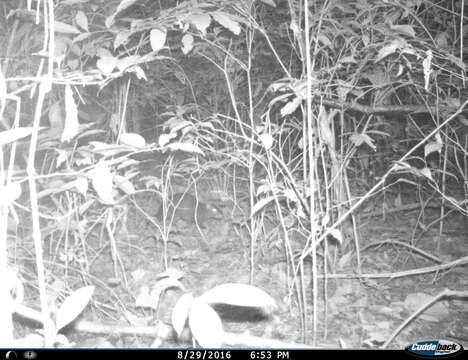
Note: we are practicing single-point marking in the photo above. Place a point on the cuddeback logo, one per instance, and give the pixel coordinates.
(434, 348)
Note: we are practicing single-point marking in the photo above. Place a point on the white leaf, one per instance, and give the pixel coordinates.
(239, 295)
(157, 39)
(9, 136)
(132, 139)
(269, 2)
(63, 28)
(431, 147)
(177, 123)
(102, 183)
(82, 20)
(404, 29)
(73, 306)
(73, 2)
(187, 43)
(225, 20)
(265, 189)
(127, 62)
(387, 50)
(81, 185)
(164, 139)
(125, 4)
(180, 312)
(124, 184)
(61, 158)
(336, 234)
(427, 67)
(426, 172)
(358, 139)
(348, 60)
(261, 204)
(291, 106)
(401, 166)
(267, 140)
(10, 193)
(71, 116)
(122, 6)
(139, 72)
(82, 37)
(201, 21)
(325, 40)
(107, 64)
(187, 147)
(291, 196)
(326, 132)
(205, 325)
(121, 38)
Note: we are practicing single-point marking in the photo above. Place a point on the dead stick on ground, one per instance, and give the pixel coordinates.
(420, 271)
(165, 332)
(444, 294)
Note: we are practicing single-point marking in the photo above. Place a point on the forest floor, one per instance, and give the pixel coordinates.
(352, 312)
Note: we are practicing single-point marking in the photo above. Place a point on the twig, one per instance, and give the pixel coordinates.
(412, 206)
(401, 243)
(425, 270)
(165, 332)
(444, 294)
(359, 202)
(376, 110)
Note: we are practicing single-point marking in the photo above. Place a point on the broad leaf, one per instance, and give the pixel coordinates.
(71, 116)
(201, 21)
(187, 43)
(9, 136)
(226, 20)
(180, 312)
(63, 28)
(82, 20)
(157, 39)
(107, 64)
(205, 325)
(102, 180)
(132, 139)
(73, 306)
